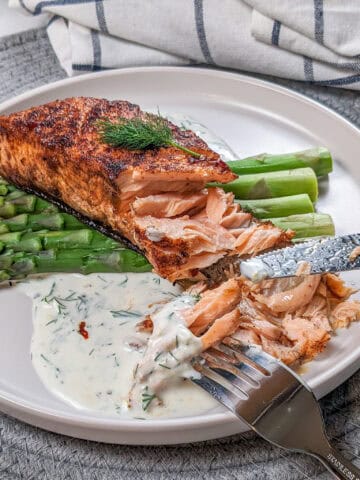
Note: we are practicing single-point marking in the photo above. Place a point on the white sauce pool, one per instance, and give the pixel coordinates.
(97, 373)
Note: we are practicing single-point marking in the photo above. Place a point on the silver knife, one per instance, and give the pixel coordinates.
(333, 254)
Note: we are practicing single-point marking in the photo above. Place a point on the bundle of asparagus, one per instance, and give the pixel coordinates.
(35, 237)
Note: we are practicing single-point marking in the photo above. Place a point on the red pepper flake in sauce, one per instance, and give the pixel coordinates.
(82, 330)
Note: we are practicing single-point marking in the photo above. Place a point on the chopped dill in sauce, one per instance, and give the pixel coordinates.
(125, 313)
(82, 372)
(147, 398)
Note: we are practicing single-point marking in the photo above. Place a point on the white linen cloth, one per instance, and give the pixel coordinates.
(312, 40)
(12, 21)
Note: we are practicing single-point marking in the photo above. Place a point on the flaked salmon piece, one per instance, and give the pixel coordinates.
(182, 242)
(216, 205)
(261, 237)
(199, 237)
(297, 333)
(221, 328)
(236, 220)
(354, 254)
(232, 313)
(212, 305)
(197, 234)
(221, 209)
(311, 337)
(168, 205)
(345, 313)
(337, 286)
(289, 354)
(253, 318)
(246, 336)
(203, 238)
(317, 306)
(264, 327)
(291, 300)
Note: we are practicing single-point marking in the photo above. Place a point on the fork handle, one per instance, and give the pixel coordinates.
(339, 466)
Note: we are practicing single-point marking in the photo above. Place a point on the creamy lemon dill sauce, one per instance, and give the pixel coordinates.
(168, 354)
(214, 142)
(88, 350)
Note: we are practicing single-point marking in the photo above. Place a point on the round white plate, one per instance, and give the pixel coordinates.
(252, 116)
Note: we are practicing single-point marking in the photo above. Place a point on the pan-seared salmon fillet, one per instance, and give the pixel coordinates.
(154, 200)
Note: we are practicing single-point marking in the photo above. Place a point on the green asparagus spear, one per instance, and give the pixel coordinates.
(20, 243)
(15, 265)
(45, 240)
(71, 223)
(45, 207)
(274, 184)
(22, 203)
(318, 158)
(307, 225)
(16, 202)
(7, 210)
(39, 221)
(278, 207)
(19, 223)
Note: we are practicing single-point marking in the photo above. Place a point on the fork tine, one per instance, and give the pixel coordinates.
(252, 355)
(229, 373)
(245, 365)
(213, 384)
(222, 353)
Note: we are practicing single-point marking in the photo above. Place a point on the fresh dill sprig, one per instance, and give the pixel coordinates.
(140, 134)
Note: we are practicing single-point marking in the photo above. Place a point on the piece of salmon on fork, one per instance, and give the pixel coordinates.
(291, 319)
(155, 200)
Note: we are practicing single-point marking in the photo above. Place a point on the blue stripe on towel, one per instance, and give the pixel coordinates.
(101, 16)
(54, 3)
(338, 82)
(275, 32)
(87, 67)
(52, 20)
(22, 3)
(200, 28)
(308, 69)
(319, 20)
(96, 47)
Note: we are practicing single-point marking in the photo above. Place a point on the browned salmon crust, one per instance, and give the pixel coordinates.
(155, 200)
(54, 151)
(65, 136)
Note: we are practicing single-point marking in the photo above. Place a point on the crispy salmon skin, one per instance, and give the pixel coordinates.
(154, 198)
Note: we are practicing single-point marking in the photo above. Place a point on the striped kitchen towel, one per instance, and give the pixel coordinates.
(313, 40)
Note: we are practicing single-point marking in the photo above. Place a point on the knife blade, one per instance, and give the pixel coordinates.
(333, 254)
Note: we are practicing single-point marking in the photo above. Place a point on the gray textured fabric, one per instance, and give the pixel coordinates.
(28, 453)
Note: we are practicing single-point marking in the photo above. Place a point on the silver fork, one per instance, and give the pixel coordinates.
(272, 400)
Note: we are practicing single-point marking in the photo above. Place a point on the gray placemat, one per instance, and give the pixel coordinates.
(27, 61)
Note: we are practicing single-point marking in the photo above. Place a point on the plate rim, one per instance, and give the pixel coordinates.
(167, 424)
